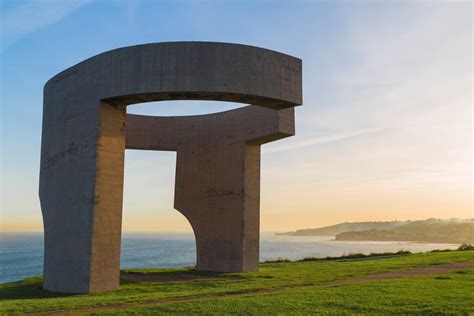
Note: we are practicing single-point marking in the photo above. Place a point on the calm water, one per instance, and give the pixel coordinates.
(21, 255)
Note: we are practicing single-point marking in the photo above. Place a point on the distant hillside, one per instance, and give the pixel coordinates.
(419, 231)
(333, 230)
(430, 230)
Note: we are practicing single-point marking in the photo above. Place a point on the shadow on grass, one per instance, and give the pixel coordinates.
(31, 288)
(172, 275)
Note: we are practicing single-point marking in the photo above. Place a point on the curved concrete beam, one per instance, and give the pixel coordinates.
(84, 139)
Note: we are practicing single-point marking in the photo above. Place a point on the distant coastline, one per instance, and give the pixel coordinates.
(432, 230)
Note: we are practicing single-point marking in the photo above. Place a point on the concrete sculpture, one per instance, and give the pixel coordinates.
(86, 131)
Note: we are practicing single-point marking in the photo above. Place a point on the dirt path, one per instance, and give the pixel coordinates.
(421, 271)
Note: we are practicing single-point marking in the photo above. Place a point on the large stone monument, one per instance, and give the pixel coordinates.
(86, 131)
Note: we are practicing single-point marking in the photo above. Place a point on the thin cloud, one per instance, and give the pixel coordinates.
(31, 16)
(323, 140)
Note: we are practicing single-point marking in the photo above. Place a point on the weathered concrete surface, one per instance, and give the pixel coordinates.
(83, 143)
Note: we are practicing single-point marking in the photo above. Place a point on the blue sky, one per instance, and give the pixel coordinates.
(385, 131)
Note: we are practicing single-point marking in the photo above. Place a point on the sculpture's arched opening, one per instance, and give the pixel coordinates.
(154, 233)
(149, 180)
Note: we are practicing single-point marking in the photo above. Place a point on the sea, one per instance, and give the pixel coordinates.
(21, 254)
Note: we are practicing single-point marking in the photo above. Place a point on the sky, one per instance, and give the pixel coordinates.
(385, 131)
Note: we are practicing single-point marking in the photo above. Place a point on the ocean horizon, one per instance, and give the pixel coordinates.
(21, 254)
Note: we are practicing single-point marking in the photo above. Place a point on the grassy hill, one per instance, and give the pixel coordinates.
(333, 230)
(418, 231)
(429, 283)
(430, 230)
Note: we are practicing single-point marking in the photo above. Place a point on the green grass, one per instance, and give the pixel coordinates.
(447, 294)
(315, 286)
